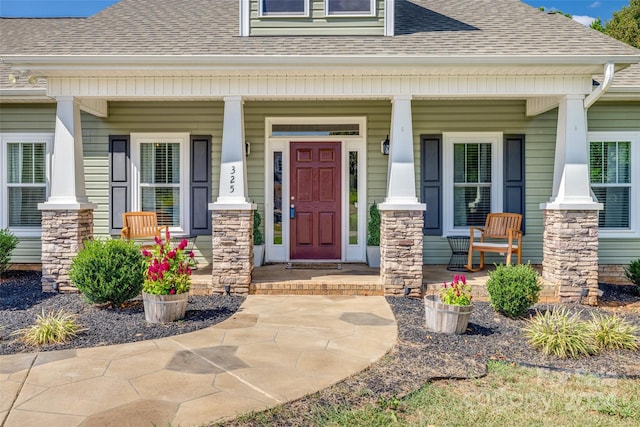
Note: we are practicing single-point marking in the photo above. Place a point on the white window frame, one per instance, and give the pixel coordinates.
(372, 11)
(21, 138)
(356, 143)
(262, 14)
(451, 138)
(634, 137)
(136, 194)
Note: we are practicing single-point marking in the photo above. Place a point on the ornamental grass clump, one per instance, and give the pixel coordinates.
(613, 332)
(561, 333)
(513, 289)
(456, 293)
(53, 328)
(168, 268)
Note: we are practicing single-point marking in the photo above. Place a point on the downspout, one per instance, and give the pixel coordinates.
(609, 74)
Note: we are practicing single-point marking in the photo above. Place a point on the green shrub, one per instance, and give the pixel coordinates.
(110, 271)
(373, 238)
(513, 289)
(56, 327)
(258, 239)
(613, 332)
(561, 333)
(633, 273)
(8, 243)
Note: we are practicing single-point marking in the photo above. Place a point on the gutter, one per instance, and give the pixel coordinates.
(609, 74)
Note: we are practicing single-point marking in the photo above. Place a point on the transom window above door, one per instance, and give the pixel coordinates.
(349, 7)
(284, 7)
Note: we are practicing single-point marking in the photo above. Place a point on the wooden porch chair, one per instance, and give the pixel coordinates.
(500, 234)
(142, 225)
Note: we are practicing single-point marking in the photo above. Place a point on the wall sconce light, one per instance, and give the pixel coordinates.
(247, 148)
(385, 146)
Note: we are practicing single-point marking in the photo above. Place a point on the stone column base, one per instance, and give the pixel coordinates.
(401, 252)
(232, 265)
(570, 254)
(63, 236)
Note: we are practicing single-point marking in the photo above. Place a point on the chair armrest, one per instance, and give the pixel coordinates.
(472, 233)
(124, 234)
(166, 231)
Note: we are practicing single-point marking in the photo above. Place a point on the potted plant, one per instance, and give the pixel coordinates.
(258, 240)
(167, 281)
(373, 237)
(449, 312)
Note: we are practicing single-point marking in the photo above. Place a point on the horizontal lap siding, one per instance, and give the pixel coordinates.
(317, 23)
(32, 118)
(508, 117)
(617, 116)
(197, 118)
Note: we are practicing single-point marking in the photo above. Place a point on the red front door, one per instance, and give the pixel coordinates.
(315, 197)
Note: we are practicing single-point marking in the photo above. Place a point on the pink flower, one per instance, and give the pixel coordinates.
(146, 253)
(172, 254)
(191, 254)
(172, 291)
(165, 266)
(183, 244)
(464, 280)
(158, 240)
(456, 278)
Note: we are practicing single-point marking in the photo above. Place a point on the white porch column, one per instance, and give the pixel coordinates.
(232, 215)
(67, 215)
(401, 213)
(570, 239)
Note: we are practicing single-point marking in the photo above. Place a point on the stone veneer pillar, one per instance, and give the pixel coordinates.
(570, 254)
(401, 251)
(63, 235)
(232, 263)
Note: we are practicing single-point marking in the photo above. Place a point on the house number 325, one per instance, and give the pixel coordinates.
(232, 181)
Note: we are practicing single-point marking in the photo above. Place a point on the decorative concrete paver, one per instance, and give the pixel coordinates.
(275, 349)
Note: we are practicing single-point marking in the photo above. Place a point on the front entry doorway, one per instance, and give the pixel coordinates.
(315, 208)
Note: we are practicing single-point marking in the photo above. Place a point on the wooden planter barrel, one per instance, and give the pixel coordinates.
(164, 308)
(445, 318)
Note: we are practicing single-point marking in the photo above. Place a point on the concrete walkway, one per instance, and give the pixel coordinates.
(273, 350)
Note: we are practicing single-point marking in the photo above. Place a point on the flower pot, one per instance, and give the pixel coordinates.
(373, 256)
(164, 308)
(258, 255)
(445, 318)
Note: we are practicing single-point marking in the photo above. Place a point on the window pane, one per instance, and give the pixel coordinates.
(277, 198)
(616, 210)
(595, 162)
(472, 163)
(471, 204)
(315, 130)
(353, 197)
(165, 202)
(23, 206)
(349, 7)
(283, 7)
(160, 163)
(26, 163)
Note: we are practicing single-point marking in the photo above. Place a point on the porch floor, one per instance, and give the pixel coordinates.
(350, 279)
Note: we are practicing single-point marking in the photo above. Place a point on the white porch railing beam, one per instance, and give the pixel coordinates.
(401, 178)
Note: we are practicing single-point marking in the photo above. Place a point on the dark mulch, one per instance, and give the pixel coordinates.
(21, 300)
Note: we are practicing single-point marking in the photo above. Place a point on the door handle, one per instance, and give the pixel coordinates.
(292, 211)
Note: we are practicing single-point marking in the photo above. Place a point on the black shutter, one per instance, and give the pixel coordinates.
(119, 181)
(200, 185)
(514, 200)
(431, 175)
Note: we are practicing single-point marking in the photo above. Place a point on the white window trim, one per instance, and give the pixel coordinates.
(136, 197)
(372, 11)
(634, 138)
(357, 143)
(6, 138)
(261, 14)
(450, 138)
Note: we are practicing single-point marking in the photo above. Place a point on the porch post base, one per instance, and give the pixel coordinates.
(232, 265)
(401, 252)
(63, 235)
(570, 254)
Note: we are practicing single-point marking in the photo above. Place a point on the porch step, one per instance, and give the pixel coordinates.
(316, 288)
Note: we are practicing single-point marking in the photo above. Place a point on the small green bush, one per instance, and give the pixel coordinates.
(561, 333)
(56, 327)
(373, 238)
(8, 243)
(633, 273)
(613, 332)
(110, 271)
(258, 239)
(513, 289)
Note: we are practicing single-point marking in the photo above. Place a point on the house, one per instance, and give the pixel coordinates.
(206, 110)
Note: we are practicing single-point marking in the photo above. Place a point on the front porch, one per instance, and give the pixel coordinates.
(349, 280)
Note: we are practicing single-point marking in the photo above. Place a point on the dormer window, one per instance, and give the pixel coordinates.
(350, 7)
(284, 7)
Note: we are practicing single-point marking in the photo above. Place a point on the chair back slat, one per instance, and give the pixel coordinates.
(498, 224)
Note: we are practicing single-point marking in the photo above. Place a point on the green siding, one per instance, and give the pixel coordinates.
(617, 116)
(317, 23)
(27, 118)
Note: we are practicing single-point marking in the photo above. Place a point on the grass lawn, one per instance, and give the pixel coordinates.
(508, 396)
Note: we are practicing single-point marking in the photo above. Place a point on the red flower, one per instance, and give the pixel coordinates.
(183, 244)
(172, 291)
(191, 254)
(172, 254)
